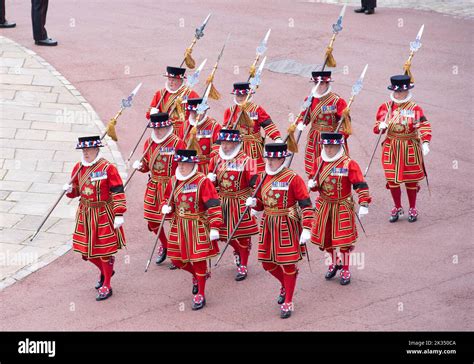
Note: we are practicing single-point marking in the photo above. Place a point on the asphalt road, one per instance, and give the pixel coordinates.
(408, 277)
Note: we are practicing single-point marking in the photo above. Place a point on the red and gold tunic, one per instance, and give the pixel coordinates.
(334, 216)
(207, 133)
(235, 178)
(287, 209)
(402, 158)
(251, 136)
(196, 210)
(168, 104)
(100, 189)
(324, 116)
(159, 162)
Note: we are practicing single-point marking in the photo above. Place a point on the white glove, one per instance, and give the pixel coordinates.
(67, 187)
(214, 234)
(118, 221)
(300, 126)
(212, 177)
(305, 236)
(311, 183)
(153, 110)
(363, 211)
(251, 202)
(137, 164)
(166, 209)
(426, 148)
(255, 213)
(383, 125)
(278, 140)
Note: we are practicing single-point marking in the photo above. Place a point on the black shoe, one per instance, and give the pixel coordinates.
(332, 270)
(281, 297)
(345, 277)
(241, 273)
(412, 215)
(7, 25)
(172, 267)
(286, 309)
(395, 214)
(360, 10)
(369, 11)
(161, 255)
(198, 302)
(101, 281)
(46, 42)
(103, 294)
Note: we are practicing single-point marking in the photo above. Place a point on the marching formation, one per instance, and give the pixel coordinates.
(217, 182)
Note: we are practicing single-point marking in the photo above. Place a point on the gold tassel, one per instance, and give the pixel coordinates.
(213, 93)
(111, 129)
(347, 122)
(291, 141)
(245, 118)
(252, 71)
(193, 142)
(188, 59)
(331, 62)
(407, 69)
(179, 108)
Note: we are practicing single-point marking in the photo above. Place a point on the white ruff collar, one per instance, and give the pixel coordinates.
(278, 170)
(192, 120)
(86, 164)
(401, 101)
(180, 177)
(232, 155)
(173, 92)
(338, 155)
(318, 96)
(161, 140)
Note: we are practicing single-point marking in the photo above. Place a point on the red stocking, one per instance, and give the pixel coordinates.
(153, 226)
(244, 250)
(275, 270)
(108, 268)
(163, 239)
(188, 267)
(396, 195)
(98, 263)
(412, 190)
(345, 258)
(201, 268)
(333, 254)
(289, 276)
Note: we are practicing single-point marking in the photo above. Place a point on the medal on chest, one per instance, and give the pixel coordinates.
(204, 134)
(339, 171)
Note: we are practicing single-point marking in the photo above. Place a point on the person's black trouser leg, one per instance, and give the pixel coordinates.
(39, 8)
(2, 11)
(369, 4)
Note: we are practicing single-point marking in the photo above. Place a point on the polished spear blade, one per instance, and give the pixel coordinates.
(128, 101)
(200, 30)
(337, 27)
(357, 87)
(262, 48)
(416, 44)
(194, 78)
